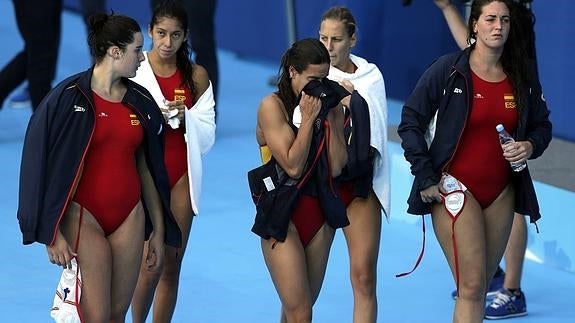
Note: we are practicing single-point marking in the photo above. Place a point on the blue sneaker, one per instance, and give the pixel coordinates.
(21, 100)
(496, 283)
(494, 286)
(505, 305)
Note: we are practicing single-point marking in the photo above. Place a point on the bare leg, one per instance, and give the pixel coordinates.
(126, 245)
(481, 237)
(162, 288)
(363, 237)
(95, 263)
(286, 264)
(499, 221)
(167, 289)
(470, 239)
(297, 274)
(144, 293)
(317, 255)
(515, 252)
(107, 263)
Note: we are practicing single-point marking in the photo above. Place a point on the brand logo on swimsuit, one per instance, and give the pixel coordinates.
(102, 114)
(78, 108)
(478, 96)
(457, 90)
(134, 120)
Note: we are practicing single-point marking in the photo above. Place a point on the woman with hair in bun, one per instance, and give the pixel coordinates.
(92, 174)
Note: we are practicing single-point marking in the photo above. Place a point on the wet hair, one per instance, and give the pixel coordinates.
(300, 55)
(107, 30)
(344, 15)
(513, 59)
(171, 9)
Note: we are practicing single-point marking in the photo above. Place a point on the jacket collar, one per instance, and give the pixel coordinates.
(461, 62)
(85, 79)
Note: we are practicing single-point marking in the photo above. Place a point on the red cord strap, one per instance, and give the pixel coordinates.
(453, 201)
(78, 283)
(420, 254)
(453, 204)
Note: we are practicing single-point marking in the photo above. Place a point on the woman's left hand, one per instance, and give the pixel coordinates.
(518, 151)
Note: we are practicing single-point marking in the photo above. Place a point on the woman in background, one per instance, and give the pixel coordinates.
(184, 93)
(338, 32)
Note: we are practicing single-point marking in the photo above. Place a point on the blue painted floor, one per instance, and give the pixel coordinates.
(224, 278)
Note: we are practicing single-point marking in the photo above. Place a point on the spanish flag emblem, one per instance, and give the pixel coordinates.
(134, 120)
(509, 100)
(179, 95)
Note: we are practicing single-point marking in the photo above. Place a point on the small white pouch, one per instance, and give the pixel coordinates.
(453, 192)
(65, 308)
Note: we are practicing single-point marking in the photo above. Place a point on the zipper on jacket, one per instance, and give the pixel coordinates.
(446, 165)
(76, 176)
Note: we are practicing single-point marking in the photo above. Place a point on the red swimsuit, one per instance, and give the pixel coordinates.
(478, 162)
(308, 216)
(110, 184)
(175, 156)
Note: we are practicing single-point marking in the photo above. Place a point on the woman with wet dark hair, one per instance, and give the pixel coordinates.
(462, 97)
(297, 255)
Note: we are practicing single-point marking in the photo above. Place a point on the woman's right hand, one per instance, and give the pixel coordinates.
(177, 105)
(60, 253)
(309, 107)
(431, 194)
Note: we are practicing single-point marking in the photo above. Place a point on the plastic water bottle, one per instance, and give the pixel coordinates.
(504, 138)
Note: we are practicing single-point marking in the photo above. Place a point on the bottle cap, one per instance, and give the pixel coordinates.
(499, 127)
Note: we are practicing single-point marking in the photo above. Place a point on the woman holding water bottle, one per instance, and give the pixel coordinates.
(448, 126)
(183, 92)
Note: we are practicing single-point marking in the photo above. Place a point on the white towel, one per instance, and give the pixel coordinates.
(145, 76)
(368, 81)
(200, 127)
(200, 137)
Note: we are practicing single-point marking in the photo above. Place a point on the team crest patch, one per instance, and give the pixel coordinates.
(134, 120)
(509, 100)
